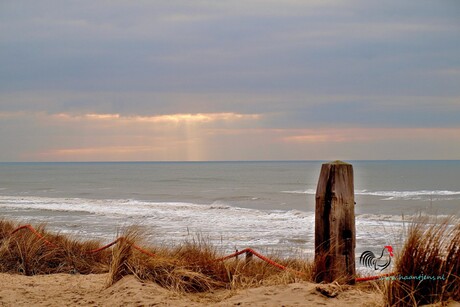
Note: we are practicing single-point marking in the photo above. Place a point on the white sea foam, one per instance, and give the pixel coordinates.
(173, 222)
(308, 191)
(392, 195)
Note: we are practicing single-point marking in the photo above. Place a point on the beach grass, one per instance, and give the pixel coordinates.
(193, 266)
(25, 253)
(427, 270)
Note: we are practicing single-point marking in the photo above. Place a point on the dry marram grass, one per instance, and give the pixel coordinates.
(194, 267)
(190, 267)
(427, 270)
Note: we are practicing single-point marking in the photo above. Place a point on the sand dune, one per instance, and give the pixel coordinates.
(89, 290)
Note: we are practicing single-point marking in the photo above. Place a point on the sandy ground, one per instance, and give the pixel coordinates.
(89, 290)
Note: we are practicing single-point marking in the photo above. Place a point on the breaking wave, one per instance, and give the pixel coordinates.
(403, 195)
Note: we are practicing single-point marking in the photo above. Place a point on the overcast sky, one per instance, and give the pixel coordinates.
(229, 80)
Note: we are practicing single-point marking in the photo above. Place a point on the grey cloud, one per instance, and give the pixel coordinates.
(99, 47)
(301, 64)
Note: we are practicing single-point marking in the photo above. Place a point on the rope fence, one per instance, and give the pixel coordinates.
(248, 251)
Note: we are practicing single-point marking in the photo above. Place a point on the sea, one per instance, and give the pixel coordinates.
(267, 205)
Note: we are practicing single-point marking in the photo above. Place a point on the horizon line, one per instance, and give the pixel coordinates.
(229, 161)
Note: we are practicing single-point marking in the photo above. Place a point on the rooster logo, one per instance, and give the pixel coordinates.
(369, 260)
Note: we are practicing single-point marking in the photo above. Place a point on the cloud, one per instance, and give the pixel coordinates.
(314, 46)
(213, 136)
(86, 78)
(370, 135)
(166, 121)
(174, 118)
(94, 137)
(91, 152)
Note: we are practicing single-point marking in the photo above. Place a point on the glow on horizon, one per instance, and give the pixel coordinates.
(201, 138)
(166, 118)
(157, 137)
(368, 134)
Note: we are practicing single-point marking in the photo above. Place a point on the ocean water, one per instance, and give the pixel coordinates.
(268, 206)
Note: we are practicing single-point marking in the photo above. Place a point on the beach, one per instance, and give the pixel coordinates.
(89, 290)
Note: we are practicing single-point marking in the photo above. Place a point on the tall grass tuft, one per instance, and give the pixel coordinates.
(428, 269)
(121, 256)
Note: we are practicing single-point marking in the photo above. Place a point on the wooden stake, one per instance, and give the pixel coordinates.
(248, 257)
(335, 233)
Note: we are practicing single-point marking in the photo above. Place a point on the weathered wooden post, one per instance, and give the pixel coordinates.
(335, 233)
(248, 257)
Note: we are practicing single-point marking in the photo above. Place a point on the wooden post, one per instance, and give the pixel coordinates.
(248, 257)
(335, 233)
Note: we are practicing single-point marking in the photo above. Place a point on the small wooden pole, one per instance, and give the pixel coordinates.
(335, 233)
(248, 257)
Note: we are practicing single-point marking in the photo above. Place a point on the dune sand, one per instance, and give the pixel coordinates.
(89, 290)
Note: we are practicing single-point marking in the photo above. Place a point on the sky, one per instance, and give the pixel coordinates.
(199, 80)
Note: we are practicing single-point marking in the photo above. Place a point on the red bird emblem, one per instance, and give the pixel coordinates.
(369, 259)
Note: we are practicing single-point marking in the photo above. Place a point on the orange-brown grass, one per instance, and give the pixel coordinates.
(190, 267)
(194, 267)
(252, 272)
(429, 250)
(121, 255)
(25, 253)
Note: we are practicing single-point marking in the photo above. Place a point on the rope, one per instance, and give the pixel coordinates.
(97, 250)
(115, 242)
(262, 257)
(29, 227)
(232, 255)
(368, 278)
(282, 267)
(144, 251)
